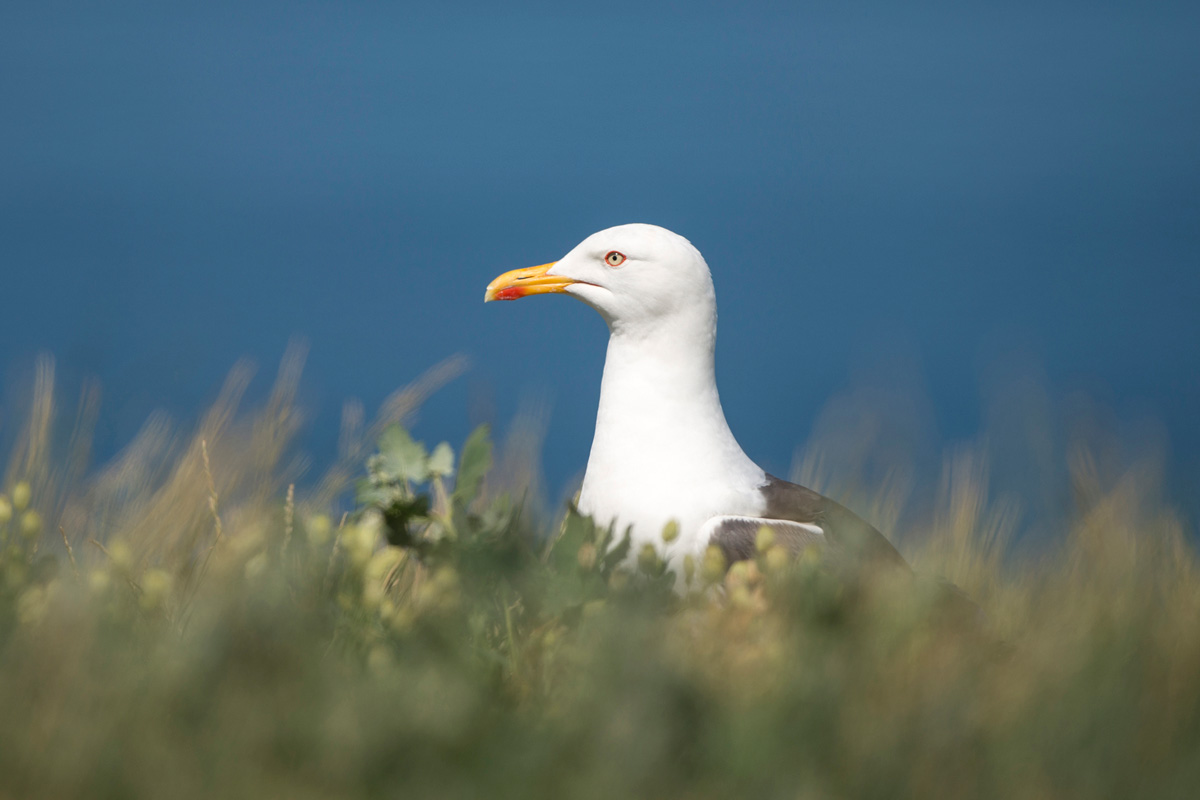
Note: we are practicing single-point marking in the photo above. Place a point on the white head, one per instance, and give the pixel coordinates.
(637, 276)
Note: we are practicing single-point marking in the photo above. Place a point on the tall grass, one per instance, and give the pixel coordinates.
(186, 622)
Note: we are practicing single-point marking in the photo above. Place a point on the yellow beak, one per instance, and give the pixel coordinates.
(521, 282)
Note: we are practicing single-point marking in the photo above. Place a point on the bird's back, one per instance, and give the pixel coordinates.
(802, 518)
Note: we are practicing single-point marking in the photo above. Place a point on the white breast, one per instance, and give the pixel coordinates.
(662, 449)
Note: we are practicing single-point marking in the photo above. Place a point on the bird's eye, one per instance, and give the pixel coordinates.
(614, 259)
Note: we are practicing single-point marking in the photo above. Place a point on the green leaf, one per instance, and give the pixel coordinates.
(441, 462)
(402, 458)
(368, 493)
(476, 461)
(499, 513)
(576, 530)
(614, 555)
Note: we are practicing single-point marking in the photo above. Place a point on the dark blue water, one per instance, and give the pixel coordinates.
(944, 186)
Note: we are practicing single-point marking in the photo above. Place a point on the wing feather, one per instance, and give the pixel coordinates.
(738, 536)
(802, 518)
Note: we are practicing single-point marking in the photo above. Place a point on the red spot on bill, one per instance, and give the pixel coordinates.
(510, 293)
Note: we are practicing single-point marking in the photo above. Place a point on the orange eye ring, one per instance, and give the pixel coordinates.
(614, 259)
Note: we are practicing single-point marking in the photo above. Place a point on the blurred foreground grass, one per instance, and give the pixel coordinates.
(183, 623)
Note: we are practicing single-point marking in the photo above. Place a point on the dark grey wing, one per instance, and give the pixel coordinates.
(738, 536)
(844, 530)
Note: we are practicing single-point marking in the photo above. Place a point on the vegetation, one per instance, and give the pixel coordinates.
(184, 623)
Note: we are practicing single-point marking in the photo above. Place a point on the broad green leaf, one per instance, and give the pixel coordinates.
(576, 530)
(369, 494)
(441, 461)
(615, 554)
(401, 457)
(476, 461)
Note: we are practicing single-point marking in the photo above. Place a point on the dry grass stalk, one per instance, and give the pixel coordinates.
(31, 457)
(289, 516)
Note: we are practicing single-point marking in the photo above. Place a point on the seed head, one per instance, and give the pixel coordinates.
(318, 529)
(713, 568)
(777, 558)
(156, 585)
(31, 524)
(21, 495)
(689, 569)
(647, 558)
(98, 581)
(120, 555)
(764, 539)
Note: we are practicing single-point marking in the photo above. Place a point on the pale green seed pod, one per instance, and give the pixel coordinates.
(383, 562)
(670, 531)
(713, 568)
(359, 543)
(99, 581)
(375, 575)
(31, 524)
(777, 559)
(647, 557)
(764, 539)
(6, 510)
(120, 555)
(740, 597)
(372, 595)
(319, 528)
(739, 573)
(21, 496)
(156, 586)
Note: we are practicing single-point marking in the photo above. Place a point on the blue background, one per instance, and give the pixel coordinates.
(938, 186)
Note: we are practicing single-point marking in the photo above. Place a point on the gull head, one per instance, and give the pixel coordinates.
(636, 276)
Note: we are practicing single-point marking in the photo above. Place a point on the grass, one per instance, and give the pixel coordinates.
(185, 622)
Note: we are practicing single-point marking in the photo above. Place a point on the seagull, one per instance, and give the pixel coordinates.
(662, 451)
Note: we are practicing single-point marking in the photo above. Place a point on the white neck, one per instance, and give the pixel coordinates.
(661, 437)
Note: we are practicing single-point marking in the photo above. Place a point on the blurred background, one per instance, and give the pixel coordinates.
(939, 221)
